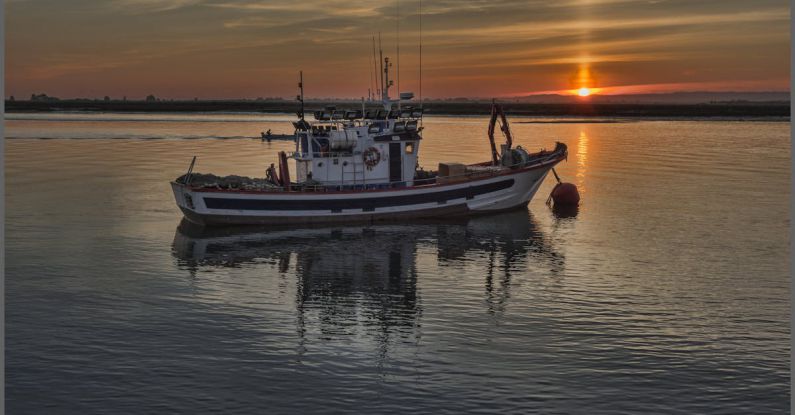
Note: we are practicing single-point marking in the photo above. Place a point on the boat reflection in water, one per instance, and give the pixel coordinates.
(355, 279)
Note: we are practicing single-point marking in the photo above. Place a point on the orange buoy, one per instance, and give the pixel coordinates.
(565, 194)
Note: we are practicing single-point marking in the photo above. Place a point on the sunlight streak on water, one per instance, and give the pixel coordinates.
(582, 158)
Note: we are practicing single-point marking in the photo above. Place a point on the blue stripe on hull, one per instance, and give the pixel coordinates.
(446, 212)
(359, 203)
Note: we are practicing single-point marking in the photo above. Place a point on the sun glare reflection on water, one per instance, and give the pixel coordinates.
(582, 158)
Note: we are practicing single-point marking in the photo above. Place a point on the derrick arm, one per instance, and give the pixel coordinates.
(496, 110)
(505, 128)
(492, 122)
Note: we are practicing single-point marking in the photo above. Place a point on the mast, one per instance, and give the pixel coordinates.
(387, 84)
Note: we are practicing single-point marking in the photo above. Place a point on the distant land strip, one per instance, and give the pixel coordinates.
(730, 110)
(582, 121)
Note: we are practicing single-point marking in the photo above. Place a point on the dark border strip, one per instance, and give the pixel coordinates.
(364, 203)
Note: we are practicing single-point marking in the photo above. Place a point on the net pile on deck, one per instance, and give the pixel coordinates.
(233, 182)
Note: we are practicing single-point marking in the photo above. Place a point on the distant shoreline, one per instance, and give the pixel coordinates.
(739, 111)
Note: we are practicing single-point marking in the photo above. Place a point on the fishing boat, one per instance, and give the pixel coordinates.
(361, 165)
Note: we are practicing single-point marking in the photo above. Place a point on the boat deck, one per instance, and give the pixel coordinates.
(474, 172)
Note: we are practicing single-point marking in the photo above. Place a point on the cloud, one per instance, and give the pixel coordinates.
(498, 43)
(152, 6)
(551, 28)
(352, 8)
(734, 85)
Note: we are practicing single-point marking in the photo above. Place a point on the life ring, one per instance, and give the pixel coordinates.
(371, 157)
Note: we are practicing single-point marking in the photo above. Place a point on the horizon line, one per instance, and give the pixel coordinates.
(594, 95)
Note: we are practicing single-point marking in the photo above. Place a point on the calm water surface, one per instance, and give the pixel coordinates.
(668, 292)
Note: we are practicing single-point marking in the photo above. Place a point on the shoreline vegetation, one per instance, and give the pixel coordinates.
(723, 110)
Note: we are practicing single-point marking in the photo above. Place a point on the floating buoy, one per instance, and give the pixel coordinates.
(564, 194)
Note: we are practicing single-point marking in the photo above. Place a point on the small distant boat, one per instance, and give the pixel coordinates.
(269, 136)
(361, 166)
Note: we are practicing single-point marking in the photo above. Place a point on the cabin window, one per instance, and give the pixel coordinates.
(409, 148)
(336, 161)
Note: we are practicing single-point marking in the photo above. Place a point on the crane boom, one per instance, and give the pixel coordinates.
(497, 111)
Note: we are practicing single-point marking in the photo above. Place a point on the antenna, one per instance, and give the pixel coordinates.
(370, 85)
(420, 15)
(397, 25)
(377, 91)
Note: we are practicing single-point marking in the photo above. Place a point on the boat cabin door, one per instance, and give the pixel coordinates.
(395, 163)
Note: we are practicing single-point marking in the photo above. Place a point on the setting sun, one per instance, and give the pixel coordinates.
(584, 92)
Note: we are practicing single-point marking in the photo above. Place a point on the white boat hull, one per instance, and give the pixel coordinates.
(512, 189)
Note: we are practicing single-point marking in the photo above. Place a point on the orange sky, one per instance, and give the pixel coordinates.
(479, 48)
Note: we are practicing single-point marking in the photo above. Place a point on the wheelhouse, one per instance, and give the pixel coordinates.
(358, 148)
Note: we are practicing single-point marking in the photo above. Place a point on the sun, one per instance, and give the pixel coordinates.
(584, 92)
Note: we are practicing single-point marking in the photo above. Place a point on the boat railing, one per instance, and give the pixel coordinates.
(536, 159)
(301, 155)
